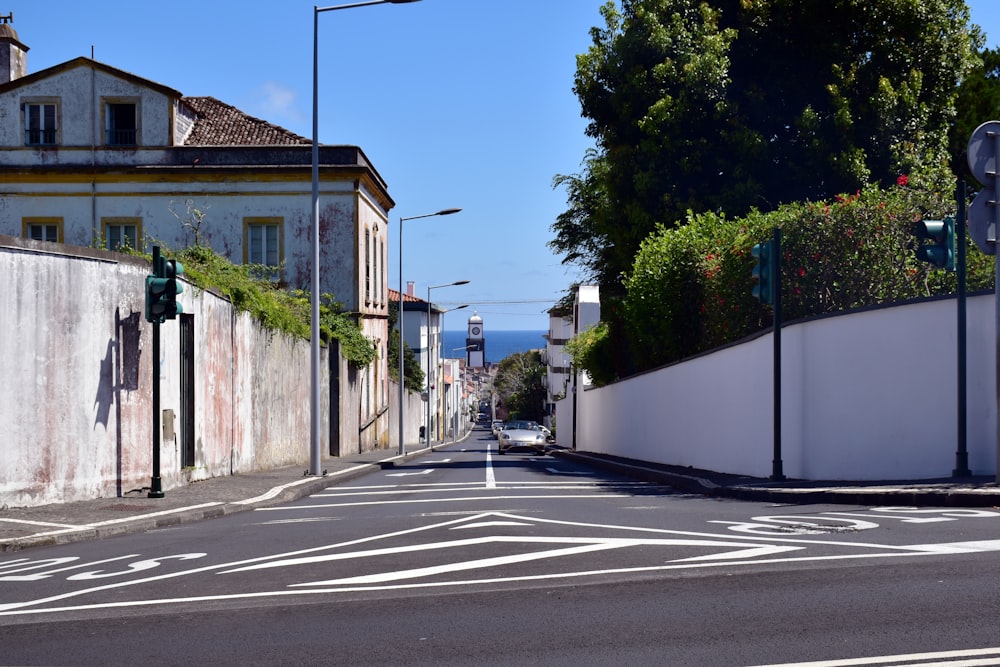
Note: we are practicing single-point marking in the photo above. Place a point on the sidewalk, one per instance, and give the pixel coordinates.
(135, 511)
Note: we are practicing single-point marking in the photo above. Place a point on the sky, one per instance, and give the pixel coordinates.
(457, 104)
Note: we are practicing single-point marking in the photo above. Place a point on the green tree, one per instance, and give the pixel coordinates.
(978, 102)
(411, 369)
(518, 383)
(727, 106)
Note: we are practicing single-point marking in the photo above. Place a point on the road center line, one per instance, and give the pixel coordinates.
(491, 480)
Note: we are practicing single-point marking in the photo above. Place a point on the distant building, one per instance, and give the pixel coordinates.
(476, 342)
(557, 360)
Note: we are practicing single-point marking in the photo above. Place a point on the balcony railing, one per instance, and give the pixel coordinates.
(121, 137)
(39, 137)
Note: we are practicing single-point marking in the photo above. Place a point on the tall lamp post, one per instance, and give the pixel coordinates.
(315, 453)
(399, 319)
(427, 431)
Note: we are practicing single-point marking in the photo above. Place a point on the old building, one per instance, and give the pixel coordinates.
(92, 155)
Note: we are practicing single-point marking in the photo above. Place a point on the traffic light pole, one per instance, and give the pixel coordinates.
(155, 484)
(776, 465)
(962, 452)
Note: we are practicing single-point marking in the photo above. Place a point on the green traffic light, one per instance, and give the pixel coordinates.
(762, 290)
(162, 289)
(940, 253)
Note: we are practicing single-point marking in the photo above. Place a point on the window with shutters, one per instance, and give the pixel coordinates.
(41, 123)
(122, 233)
(263, 246)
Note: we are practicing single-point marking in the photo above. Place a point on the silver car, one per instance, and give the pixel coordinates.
(521, 434)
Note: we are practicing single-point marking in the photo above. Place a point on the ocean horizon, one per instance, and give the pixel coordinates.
(499, 344)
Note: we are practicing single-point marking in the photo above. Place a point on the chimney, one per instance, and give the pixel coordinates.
(13, 54)
(409, 288)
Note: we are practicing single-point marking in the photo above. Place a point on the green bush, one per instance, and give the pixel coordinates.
(690, 287)
(275, 308)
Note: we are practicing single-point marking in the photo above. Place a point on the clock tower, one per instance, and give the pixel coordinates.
(475, 354)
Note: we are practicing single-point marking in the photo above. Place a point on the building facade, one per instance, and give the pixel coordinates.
(93, 156)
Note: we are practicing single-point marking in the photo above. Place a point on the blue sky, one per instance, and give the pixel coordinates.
(457, 103)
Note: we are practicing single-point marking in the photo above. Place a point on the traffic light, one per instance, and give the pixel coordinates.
(940, 253)
(162, 289)
(763, 289)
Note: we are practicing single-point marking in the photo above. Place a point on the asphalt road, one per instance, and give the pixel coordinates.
(464, 557)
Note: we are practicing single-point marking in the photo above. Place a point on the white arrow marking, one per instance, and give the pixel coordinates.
(441, 461)
(410, 474)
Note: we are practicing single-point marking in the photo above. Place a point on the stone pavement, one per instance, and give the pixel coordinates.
(135, 511)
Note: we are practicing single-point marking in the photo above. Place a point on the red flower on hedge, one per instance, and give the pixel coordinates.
(902, 179)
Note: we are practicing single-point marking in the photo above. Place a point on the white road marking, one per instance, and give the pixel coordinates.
(757, 547)
(278, 489)
(410, 474)
(556, 471)
(490, 524)
(978, 546)
(335, 490)
(491, 480)
(45, 574)
(431, 488)
(112, 522)
(302, 520)
(908, 658)
(138, 566)
(582, 545)
(410, 501)
(935, 519)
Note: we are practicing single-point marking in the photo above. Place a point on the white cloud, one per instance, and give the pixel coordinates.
(276, 103)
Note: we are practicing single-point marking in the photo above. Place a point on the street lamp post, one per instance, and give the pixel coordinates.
(427, 431)
(315, 453)
(399, 318)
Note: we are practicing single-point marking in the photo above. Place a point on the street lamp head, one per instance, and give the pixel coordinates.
(461, 282)
(400, 2)
(446, 211)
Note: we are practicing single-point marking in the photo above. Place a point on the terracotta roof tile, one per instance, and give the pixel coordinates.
(219, 124)
(394, 296)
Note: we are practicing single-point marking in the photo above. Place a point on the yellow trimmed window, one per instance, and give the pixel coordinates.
(43, 229)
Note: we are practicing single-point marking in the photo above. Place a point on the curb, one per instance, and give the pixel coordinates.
(285, 493)
(846, 495)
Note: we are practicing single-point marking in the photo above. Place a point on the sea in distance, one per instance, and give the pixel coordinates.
(499, 344)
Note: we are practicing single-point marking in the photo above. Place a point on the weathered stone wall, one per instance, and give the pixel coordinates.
(76, 377)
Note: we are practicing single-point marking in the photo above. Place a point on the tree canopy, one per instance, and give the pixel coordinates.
(731, 105)
(978, 102)
(518, 383)
(734, 106)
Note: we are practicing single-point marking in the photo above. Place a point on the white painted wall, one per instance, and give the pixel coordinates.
(82, 91)
(862, 400)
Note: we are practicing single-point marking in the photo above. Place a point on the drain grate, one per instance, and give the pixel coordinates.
(123, 507)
